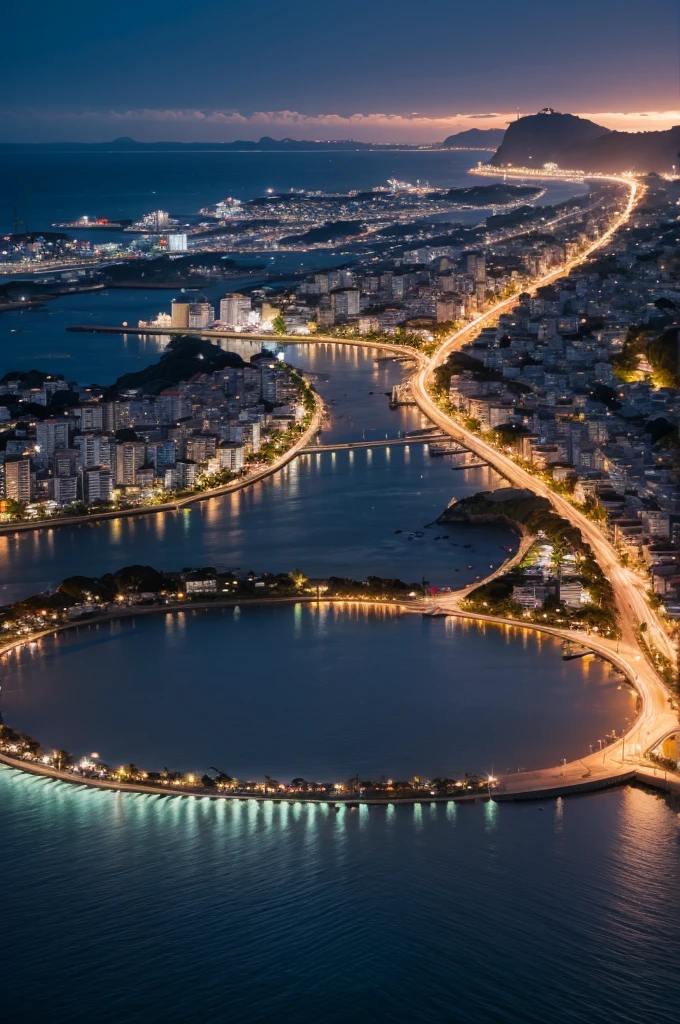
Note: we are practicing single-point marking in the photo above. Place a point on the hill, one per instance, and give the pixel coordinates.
(484, 138)
(626, 151)
(544, 137)
(182, 359)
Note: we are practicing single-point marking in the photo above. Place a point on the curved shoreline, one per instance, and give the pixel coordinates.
(175, 506)
(527, 785)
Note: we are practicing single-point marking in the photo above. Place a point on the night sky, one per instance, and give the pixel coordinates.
(369, 69)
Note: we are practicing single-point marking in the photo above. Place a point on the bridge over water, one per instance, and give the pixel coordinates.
(387, 442)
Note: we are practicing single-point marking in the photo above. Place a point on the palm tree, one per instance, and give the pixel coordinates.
(62, 759)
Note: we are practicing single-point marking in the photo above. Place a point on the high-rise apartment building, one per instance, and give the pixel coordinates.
(93, 450)
(201, 314)
(97, 485)
(50, 435)
(346, 303)
(235, 309)
(130, 456)
(18, 479)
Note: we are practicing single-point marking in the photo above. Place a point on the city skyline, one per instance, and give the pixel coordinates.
(374, 74)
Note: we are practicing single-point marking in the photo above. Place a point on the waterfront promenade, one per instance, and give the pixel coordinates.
(301, 445)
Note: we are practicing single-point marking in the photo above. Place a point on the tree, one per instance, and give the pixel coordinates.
(298, 578)
(279, 324)
(15, 509)
(30, 744)
(62, 760)
(557, 556)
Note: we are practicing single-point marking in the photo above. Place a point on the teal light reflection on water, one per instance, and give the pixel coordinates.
(318, 691)
(397, 889)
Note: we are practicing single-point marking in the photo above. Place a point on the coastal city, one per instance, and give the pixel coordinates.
(577, 381)
(68, 450)
(340, 563)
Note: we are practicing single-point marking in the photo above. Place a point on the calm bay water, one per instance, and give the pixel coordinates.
(140, 909)
(326, 513)
(328, 694)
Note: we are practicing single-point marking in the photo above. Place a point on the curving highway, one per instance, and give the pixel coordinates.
(655, 720)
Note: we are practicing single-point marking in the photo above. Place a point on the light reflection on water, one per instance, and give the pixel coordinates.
(329, 513)
(323, 691)
(392, 891)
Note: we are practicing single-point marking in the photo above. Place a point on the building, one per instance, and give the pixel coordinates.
(200, 447)
(475, 267)
(51, 434)
(529, 597)
(93, 450)
(177, 243)
(97, 486)
(130, 456)
(572, 593)
(657, 524)
(18, 479)
(157, 221)
(346, 303)
(179, 311)
(200, 582)
(66, 462)
(231, 457)
(449, 309)
(235, 309)
(181, 476)
(161, 454)
(65, 489)
(172, 406)
(201, 313)
(90, 417)
(247, 434)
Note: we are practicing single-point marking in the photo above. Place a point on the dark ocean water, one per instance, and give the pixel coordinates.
(149, 910)
(46, 188)
(136, 909)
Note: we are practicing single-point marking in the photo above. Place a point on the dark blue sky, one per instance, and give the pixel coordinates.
(172, 69)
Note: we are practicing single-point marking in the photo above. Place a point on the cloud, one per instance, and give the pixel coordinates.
(366, 126)
(213, 124)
